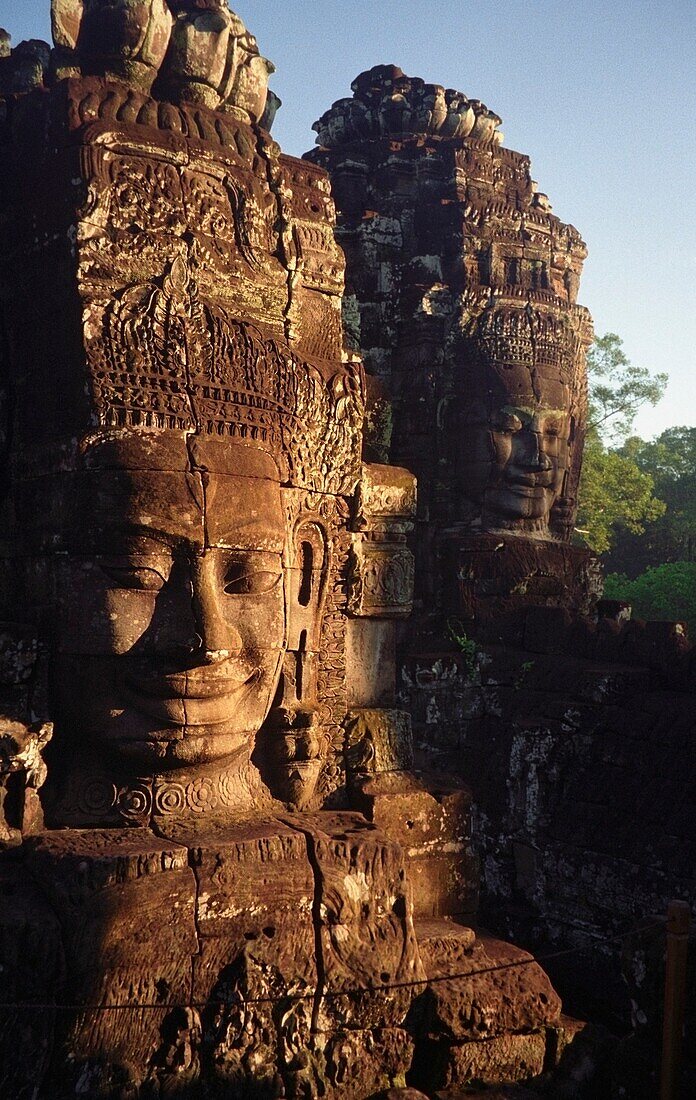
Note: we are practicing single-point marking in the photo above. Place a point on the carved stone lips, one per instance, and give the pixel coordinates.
(530, 483)
(189, 685)
(201, 697)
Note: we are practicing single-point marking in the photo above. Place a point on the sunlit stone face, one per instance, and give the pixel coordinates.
(172, 614)
(514, 460)
(529, 460)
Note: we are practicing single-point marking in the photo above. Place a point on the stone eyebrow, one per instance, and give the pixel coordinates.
(139, 530)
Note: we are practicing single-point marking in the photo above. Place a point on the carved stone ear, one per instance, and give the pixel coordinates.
(307, 585)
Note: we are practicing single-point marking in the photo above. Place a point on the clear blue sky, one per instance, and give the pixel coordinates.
(601, 95)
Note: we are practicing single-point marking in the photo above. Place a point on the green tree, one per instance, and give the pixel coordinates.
(666, 592)
(671, 462)
(618, 389)
(616, 494)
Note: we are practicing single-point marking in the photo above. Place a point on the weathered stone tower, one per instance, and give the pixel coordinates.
(462, 297)
(568, 718)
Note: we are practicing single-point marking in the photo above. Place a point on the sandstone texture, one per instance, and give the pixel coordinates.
(217, 841)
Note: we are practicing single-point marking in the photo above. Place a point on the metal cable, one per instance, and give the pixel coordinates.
(329, 994)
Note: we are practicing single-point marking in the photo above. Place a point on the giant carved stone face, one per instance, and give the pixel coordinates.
(172, 621)
(514, 458)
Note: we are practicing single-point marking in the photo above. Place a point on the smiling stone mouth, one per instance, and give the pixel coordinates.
(218, 680)
(215, 707)
(528, 485)
(183, 687)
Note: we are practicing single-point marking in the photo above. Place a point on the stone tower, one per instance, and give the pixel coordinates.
(462, 296)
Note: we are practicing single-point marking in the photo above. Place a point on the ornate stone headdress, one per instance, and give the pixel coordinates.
(549, 343)
(164, 358)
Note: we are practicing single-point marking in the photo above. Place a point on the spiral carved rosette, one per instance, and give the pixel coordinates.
(93, 800)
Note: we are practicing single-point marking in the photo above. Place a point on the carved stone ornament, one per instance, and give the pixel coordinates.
(208, 573)
(22, 766)
(383, 566)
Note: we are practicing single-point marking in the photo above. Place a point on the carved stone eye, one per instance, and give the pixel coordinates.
(138, 577)
(508, 424)
(246, 579)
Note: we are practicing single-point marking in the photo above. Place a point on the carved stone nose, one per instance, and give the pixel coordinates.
(216, 637)
(534, 456)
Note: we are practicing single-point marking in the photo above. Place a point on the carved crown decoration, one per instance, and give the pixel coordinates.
(166, 359)
(209, 278)
(548, 343)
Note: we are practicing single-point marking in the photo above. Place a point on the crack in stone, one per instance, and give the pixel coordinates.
(316, 919)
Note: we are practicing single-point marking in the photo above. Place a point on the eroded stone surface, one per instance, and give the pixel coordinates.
(31, 965)
(365, 923)
(431, 818)
(501, 991)
(509, 1058)
(126, 905)
(212, 576)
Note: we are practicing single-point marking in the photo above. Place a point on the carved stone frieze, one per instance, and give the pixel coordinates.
(382, 581)
(382, 565)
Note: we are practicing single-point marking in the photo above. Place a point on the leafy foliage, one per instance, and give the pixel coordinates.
(666, 592)
(616, 493)
(671, 462)
(618, 389)
(467, 645)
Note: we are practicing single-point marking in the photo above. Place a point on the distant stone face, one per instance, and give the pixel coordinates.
(517, 418)
(465, 287)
